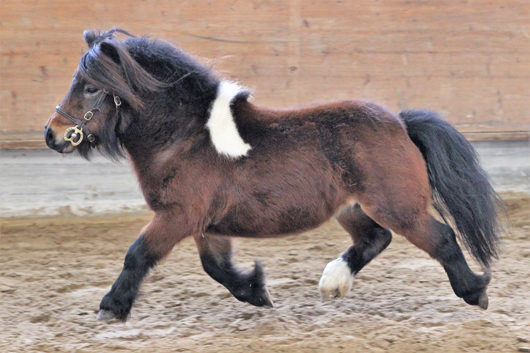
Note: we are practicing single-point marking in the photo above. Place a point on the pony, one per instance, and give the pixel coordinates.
(212, 165)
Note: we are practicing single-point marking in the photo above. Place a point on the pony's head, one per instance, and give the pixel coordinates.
(108, 89)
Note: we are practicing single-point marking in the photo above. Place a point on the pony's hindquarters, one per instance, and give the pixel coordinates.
(396, 193)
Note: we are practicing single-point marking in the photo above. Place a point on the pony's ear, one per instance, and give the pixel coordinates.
(110, 50)
(90, 37)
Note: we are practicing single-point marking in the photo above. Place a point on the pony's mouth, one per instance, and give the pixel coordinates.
(66, 148)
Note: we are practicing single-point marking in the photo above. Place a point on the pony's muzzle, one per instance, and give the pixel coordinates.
(49, 137)
(55, 142)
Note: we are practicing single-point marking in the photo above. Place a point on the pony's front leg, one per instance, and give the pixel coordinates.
(154, 244)
(216, 258)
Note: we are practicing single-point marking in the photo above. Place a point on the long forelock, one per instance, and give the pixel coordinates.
(101, 71)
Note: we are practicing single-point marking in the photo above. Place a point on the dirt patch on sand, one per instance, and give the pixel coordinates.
(54, 272)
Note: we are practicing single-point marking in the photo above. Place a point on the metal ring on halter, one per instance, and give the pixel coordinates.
(75, 134)
(76, 137)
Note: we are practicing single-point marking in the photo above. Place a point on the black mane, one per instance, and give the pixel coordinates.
(165, 91)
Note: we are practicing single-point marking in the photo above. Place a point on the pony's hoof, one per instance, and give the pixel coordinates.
(257, 298)
(106, 315)
(268, 299)
(478, 299)
(483, 301)
(336, 280)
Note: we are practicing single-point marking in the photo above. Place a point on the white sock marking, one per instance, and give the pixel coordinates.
(223, 130)
(336, 280)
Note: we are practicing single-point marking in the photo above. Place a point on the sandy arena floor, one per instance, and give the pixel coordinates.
(55, 270)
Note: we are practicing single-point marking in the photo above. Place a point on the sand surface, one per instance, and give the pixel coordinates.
(55, 270)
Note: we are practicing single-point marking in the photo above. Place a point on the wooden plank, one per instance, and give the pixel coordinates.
(23, 140)
(468, 60)
(497, 136)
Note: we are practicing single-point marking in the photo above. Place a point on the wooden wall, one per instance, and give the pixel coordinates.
(468, 60)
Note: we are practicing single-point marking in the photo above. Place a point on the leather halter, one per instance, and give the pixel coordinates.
(76, 133)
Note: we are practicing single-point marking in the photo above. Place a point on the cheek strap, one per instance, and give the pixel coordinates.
(76, 133)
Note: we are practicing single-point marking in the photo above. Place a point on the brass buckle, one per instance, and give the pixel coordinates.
(117, 100)
(76, 135)
(88, 115)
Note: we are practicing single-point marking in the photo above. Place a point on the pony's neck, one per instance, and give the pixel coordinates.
(168, 122)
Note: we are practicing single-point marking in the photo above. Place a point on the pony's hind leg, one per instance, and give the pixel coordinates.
(369, 240)
(439, 241)
(216, 257)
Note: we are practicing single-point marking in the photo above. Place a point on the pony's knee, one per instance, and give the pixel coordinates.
(141, 257)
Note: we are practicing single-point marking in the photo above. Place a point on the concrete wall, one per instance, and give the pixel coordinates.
(469, 60)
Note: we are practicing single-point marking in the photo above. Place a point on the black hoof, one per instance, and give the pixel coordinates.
(480, 298)
(260, 298)
(111, 309)
(483, 300)
(252, 289)
(106, 315)
(268, 299)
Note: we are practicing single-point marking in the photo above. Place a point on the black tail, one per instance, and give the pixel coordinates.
(461, 189)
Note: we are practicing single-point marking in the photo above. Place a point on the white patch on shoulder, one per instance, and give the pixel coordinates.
(336, 280)
(223, 129)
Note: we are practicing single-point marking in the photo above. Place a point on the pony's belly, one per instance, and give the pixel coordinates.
(271, 223)
(293, 196)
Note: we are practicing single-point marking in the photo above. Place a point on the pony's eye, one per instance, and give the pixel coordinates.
(91, 89)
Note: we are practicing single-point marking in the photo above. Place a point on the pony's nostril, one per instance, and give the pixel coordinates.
(49, 136)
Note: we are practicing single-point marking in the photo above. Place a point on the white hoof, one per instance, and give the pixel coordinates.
(336, 280)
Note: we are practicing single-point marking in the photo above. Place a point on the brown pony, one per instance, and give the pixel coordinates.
(212, 165)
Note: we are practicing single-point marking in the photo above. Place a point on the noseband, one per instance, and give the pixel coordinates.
(76, 133)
